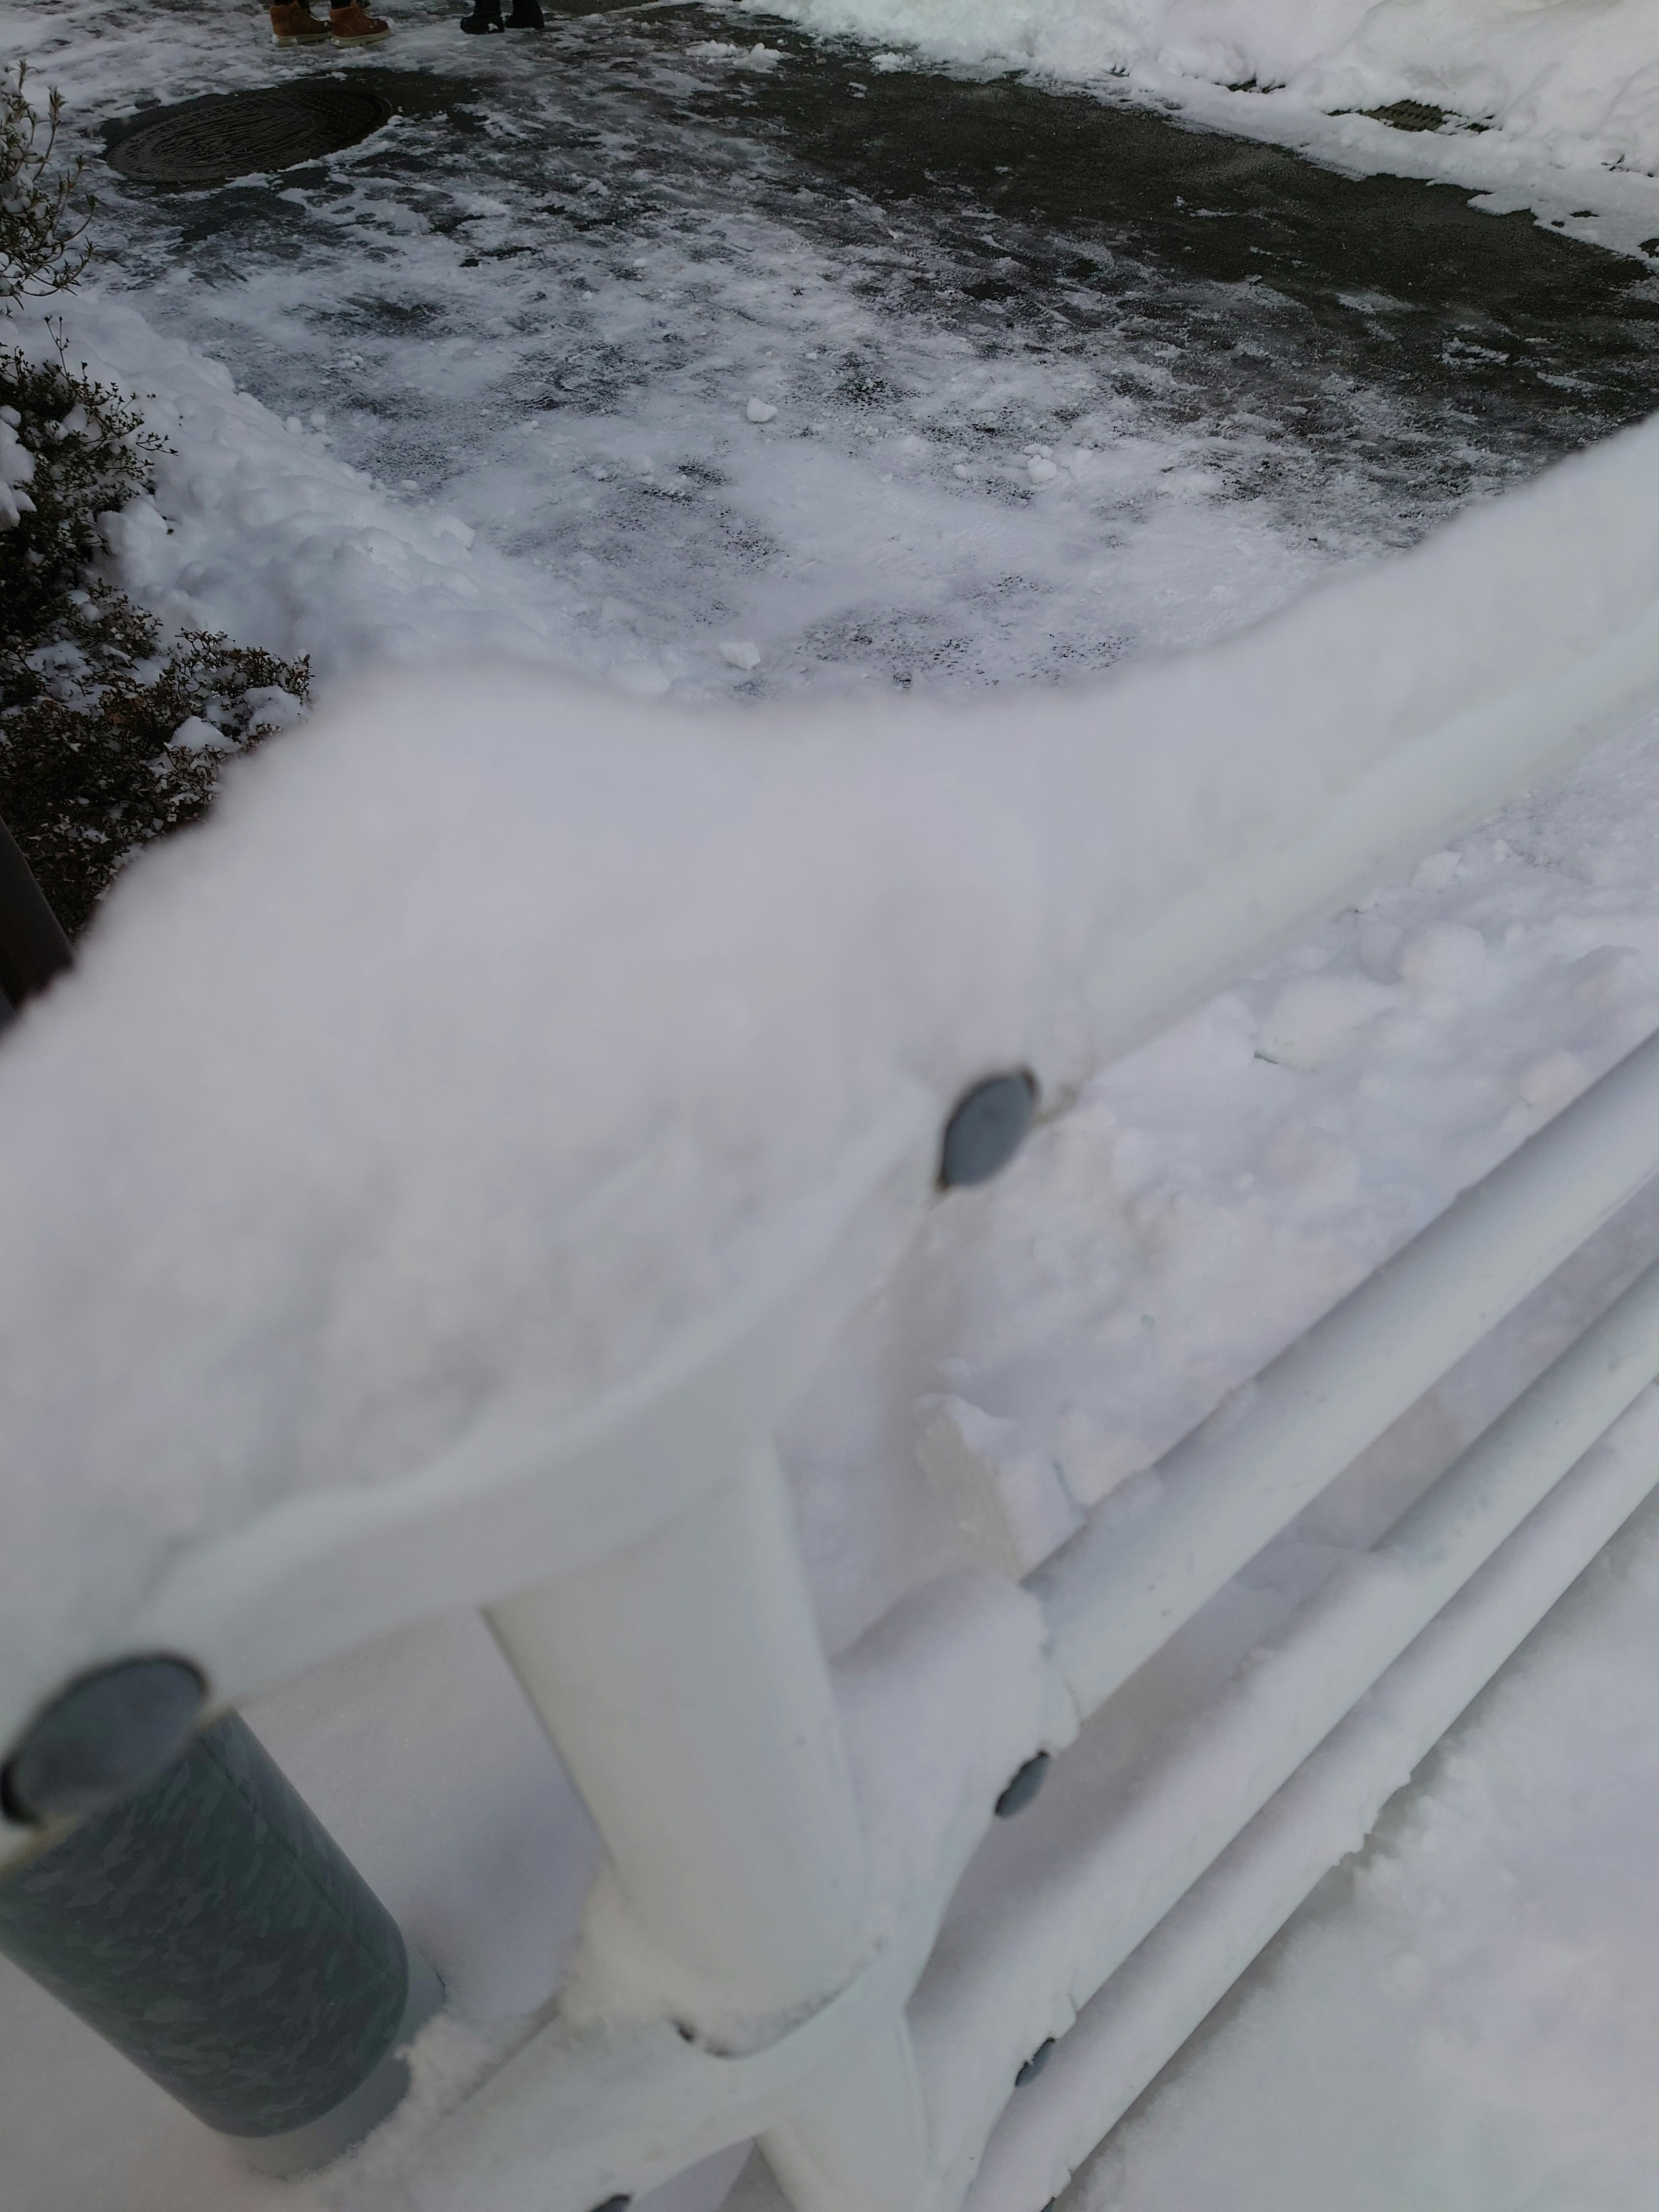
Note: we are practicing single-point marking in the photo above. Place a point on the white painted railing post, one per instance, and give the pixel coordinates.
(860, 2138)
(684, 1686)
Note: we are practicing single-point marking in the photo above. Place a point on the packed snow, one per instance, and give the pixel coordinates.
(1463, 2017)
(1467, 2009)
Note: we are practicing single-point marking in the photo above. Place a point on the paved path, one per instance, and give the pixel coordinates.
(1048, 377)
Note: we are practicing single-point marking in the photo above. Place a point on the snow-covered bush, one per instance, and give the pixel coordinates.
(44, 246)
(110, 733)
(106, 740)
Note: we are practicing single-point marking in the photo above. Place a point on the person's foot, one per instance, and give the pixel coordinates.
(353, 24)
(526, 17)
(292, 24)
(486, 16)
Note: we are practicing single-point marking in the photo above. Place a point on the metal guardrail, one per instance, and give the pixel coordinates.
(760, 1955)
(1508, 1528)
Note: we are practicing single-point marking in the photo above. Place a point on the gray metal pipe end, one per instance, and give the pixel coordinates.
(320, 2142)
(102, 1738)
(1023, 1790)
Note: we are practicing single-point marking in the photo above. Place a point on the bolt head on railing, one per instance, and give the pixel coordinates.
(1035, 2064)
(1023, 1786)
(986, 1127)
(102, 1738)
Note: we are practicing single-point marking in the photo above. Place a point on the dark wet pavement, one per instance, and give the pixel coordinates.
(627, 223)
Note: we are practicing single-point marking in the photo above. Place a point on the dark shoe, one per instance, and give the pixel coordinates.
(486, 16)
(526, 17)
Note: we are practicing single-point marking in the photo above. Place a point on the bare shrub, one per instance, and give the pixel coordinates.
(110, 734)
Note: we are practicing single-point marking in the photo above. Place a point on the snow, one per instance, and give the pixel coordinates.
(1467, 2010)
(16, 471)
(1266, 1154)
(256, 529)
(1464, 2015)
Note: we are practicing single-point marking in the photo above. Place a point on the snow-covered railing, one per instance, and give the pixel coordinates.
(446, 1167)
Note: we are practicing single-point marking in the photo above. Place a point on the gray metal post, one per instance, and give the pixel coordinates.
(33, 947)
(197, 1914)
(210, 1928)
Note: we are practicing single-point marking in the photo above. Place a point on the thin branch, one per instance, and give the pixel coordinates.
(44, 221)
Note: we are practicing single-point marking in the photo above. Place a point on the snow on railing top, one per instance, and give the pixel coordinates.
(495, 1029)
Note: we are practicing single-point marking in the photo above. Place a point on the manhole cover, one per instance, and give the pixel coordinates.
(234, 134)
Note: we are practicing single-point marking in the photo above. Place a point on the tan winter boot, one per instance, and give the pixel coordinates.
(292, 24)
(353, 24)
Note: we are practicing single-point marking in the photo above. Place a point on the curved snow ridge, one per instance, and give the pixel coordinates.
(254, 528)
(1577, 84)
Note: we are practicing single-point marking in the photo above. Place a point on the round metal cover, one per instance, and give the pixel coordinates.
(235, 134)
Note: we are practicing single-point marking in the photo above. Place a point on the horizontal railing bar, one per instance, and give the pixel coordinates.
(1123, 1585)
(1187, 1805)
(1154, 2002)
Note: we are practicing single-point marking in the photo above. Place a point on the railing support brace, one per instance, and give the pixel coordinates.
(684, 1686)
